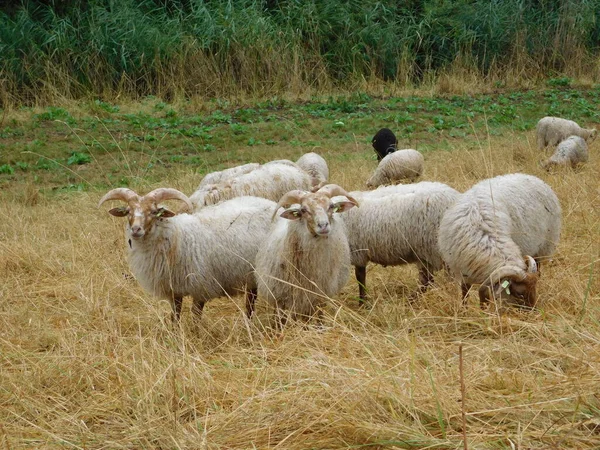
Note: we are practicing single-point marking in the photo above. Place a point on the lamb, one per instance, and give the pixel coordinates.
(494, 234)
(227, 174)
(316, 167)
(384, 142)
(398, 166)
(398, 225)
(269, 181)
(572, 150)
(205, 255)
(306, 257)
(552, 130)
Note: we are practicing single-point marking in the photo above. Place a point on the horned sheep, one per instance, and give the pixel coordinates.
(398, 225)
(306, 258)
(314, 164)
(551, 131)
(205, 255)
(495, 232)
(572, 151)
(269, 181)
(402, 165)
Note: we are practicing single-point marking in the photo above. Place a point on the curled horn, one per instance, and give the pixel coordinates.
(332, 190)
(288, 199)
(531, 264)
(162, 194)
(124, 194)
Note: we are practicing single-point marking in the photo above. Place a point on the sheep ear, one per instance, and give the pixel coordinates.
(163, 212)
(339, 207)
(121, 211)
(292, 214)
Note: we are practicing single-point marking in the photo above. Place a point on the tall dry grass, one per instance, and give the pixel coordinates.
(88, 360)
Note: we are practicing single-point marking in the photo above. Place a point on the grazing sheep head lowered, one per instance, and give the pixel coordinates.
(142, 212)
(316, 209)
(516, 288)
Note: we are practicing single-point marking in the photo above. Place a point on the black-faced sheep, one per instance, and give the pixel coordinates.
(384, 142)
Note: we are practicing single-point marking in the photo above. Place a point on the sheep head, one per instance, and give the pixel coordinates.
(142, 212)
(384, 142)
(316, 208)
(514, 287)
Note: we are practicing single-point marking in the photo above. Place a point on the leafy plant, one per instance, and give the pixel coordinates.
(78, 158)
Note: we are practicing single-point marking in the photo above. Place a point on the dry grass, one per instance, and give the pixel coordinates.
(88, 360)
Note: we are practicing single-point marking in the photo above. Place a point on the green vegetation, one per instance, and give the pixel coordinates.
(53, 50)
(61, 147)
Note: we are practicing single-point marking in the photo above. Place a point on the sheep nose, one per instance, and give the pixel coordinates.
(137, 231)
(323, 228)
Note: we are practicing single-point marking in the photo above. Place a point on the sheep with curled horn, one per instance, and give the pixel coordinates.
(205, 255)
(306, 257)
(494, 234)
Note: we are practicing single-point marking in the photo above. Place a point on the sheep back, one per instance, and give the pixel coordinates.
(315, 166)
(398, 224)
(398, 166)
(227, 174)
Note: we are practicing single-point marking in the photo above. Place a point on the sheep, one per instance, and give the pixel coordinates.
(269, 181)
(205, 255)
(573, 150)
(306, 257)
(495, 235)
(227, 174)
(384, 142)
(316, 167)
(552, 130)
(398, 166)
(398, 225)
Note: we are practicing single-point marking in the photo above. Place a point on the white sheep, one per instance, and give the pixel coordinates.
(572, 151)
(227, 174)
(397, 166)
(493, 233)
(306, 258)
(269, 181)
(398, 225)
(551, 131)
(205, 255)
(316, 167)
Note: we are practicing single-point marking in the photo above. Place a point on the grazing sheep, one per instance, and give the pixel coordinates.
(552, 130)
(573, 150)
(384, 142)
(398, 225)
(314, 165)
(269, 181)
(306, 257)
(398, 166)
(227, 174)
(205, 255)
(493, 233)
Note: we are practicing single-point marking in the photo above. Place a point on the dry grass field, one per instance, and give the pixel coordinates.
(89, 360)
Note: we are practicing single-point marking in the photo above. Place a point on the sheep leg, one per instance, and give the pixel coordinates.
(361, 277)
(425, 279)
(250, 301)
(465, 288)
(176, 302)
(197, 307)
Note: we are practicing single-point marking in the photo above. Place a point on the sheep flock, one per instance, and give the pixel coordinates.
(278, 232)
